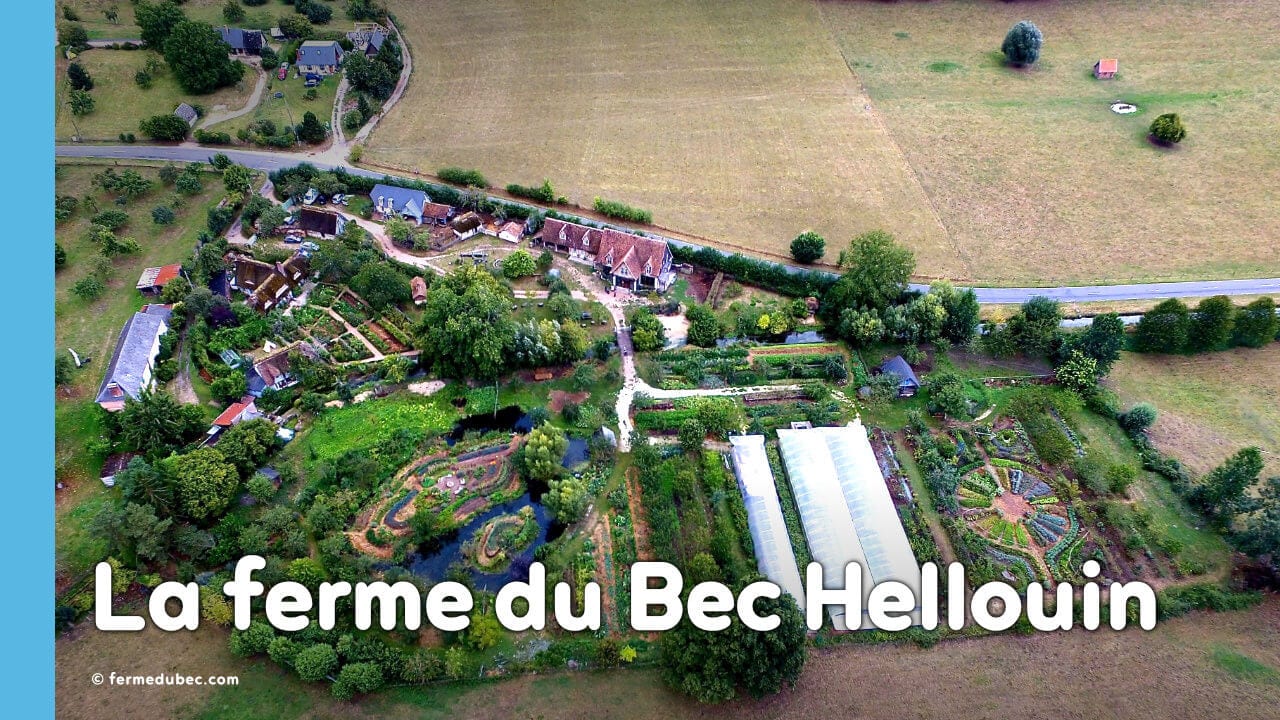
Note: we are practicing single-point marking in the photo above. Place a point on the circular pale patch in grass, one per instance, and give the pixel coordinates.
(1123, 108)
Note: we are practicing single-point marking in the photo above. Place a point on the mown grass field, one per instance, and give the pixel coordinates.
(745, 124)
(120, 104)
(92, 328)
(287, 110)
(94, 20)
(735, 122)
(1036, 180)
(1210, 405)
(1204, 665)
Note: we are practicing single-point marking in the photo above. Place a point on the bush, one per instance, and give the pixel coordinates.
(808, 247)
(541, 193)
(1022, 44)
(162, 215)
(165, 128)
(1168, 129)
(462, 176)
(1139, 418)
(622, 211)
(111, 219)
(205, 137)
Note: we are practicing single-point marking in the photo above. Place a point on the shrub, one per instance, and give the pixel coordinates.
(206, 137)
(166, 128)
(1168, 129)
(622, 211)
(542, 193)
(1022, 44)
(462, 176)
(162, 215)
(808, 247)
(1139, 418)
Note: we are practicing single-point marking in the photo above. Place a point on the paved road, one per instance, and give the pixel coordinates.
(260, 160)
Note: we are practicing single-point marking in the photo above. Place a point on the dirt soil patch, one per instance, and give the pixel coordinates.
(556, 401)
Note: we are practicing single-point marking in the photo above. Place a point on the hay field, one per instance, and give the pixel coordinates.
(736, 122)
(1210, 405)
(1036, 180)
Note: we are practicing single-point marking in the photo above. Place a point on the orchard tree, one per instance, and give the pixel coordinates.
(544, 452)
(1168, 129)
(704, 328)
(1164, 328)
(206, 482)
(81, 103)
(808, 247)
(1022, 44)
(79, 77)
(876, 269)
(237, 179)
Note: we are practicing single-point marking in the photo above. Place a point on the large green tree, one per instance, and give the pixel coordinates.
(1224, 492)
(382, 285)
(1022, 43)
(962, 311)
(198, 57)
(566, 498)
(704, 328)
(1211, 323)
(466, 325)
(712, 666)
(157, 21)
(206, 482)
(155, 424)
(544, 452)
(1102, 341)
(1256, 324)
(876, 269)
(1164, 328)
(1033, 328)
(248, 444)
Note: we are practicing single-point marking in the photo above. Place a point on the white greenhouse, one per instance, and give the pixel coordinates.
(846, 509)
(775, 557)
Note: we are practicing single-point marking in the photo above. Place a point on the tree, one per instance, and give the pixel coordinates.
(711, 666)
(1211, 323)
(928, 317)
(692, 434)
(78, 77)
(271, 219)
(155, 424)
(647, 331)
(229, 388)
(143, 483)
(59, 256)
(198, 57)
(370, 75)
(261, 488)
(1261, 535)
(1256, 324)
(860, 328)
(163, 215)
(314, 663)
(1224, 492)
(297, 26)
(311, 130)
(877, 269)
(232, 11)
(81, 103)
(358, 678)
(157, 21)
(544, 452)
(561, 306)
(253, 640)
(382, 285)
(206, 482)
(89, 288)
(704, 328)
(1079, 372)
(188, 183)
(237, 179)
(166, 128)
(962, 310)
(395, 368)
(519, 264)
(1022, 43)
(1033, 328)
(1102, 341)
(73, 36)
(945, 393)
(1164, 328)
(248, 444)
(566, 498)
(1168, 129)
(1139, 418)
(808, 247)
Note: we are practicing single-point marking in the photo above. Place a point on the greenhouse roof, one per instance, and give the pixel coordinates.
(775, 557)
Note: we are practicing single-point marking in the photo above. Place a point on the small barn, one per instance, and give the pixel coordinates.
(908, 383)
(1106, 68)
(187, 113)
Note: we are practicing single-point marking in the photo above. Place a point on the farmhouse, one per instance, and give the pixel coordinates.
(775, 557)
(271, 373)
(236, 413)
(439, 213)
(467, 226)
(268, 285)
(847, 512)
(1106, 69)
(389, 201)
(242, 42)
(187, 113)
(908, 383)
(134, 359)
(511, 232)
(419, 288)
(154, 279)
(319, 57)
(367, 38)
(626, 259)
(320, 223)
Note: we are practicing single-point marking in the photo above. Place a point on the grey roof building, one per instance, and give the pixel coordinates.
(391, 200)
(186, 112)
(908, 383)
(319, 56)
(133, 360)
(242, 42)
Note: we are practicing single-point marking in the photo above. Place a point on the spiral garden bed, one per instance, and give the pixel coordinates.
(502, 538)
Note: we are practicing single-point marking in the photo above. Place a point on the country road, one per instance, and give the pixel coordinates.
(269, 161)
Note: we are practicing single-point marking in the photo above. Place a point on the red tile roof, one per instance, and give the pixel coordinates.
(229, 415)
(158, 276)
(419, 288)
(627, 255)
(1108, 65)
(436, 211)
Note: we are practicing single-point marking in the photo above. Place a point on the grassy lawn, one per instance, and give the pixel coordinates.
(1035, 179)
(737, 123)
(1218, 659)
(92, 329)
(1210, 405)
(94, 20)
(294, 103)
(120, 103)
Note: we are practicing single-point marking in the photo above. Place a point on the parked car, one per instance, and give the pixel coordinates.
(310, 246)
(284, 72)
(311, 196)
(293, 239)
(337, 198)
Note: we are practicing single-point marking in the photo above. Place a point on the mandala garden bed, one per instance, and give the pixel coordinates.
(501, 539)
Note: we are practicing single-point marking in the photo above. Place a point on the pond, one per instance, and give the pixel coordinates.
(510, 418)
(576, 454)
(434, 566)
(794, 338)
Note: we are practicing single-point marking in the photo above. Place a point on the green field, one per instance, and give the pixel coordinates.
(287, 110)
(94, 20)
(92, 329)
(120, 103)
(742, 125)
